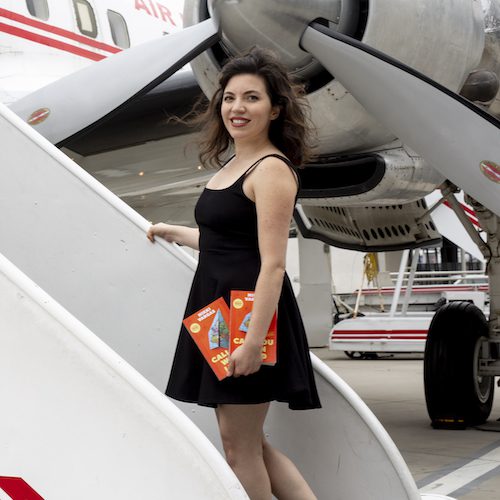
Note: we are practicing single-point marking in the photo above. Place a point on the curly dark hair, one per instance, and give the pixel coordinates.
(291, 132)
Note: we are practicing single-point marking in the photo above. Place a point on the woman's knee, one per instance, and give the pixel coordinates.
(241, 450)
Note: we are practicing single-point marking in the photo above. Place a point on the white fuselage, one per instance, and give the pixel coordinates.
(36, 51)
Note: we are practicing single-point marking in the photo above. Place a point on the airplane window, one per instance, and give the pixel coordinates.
(85, 18)
(119, 30)
(38, 8)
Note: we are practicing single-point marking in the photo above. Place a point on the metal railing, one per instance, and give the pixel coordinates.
(454, 277)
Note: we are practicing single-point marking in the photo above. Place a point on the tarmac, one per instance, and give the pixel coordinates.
(462, 464)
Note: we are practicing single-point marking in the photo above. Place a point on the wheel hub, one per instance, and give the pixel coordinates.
(482, 383)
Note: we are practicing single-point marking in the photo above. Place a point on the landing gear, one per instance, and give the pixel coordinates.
(457, 395)
(462, 353)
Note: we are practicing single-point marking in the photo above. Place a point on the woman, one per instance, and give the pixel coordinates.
(243, 217)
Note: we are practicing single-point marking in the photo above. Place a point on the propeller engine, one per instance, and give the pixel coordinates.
(410, 33)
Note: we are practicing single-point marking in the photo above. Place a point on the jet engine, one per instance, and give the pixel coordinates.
(360, 165)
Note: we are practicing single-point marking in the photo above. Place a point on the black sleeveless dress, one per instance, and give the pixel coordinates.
(229, 260)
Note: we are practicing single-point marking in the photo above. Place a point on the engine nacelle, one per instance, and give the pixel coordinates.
(368, 202)
(387, 177)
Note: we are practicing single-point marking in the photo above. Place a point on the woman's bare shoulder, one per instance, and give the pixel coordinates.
(276, 169)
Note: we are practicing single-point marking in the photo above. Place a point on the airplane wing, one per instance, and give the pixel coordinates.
(160, 179)
(145, 158)
(112, 118)
(143, 118)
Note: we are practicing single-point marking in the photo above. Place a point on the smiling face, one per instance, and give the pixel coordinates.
(246, 108)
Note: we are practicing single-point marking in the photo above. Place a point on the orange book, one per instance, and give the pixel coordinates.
(209, 329)
(239, 320)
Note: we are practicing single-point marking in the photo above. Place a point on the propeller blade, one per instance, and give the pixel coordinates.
(456, 138)
(76, 103)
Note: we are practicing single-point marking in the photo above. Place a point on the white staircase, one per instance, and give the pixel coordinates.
(88, 250)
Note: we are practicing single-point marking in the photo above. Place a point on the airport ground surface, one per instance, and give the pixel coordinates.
(462, 464)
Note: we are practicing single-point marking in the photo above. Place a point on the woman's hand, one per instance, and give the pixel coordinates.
(163, 230)
(245, 360)
(182, 235)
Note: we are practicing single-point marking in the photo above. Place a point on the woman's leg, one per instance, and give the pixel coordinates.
(286, 481)
(241, 432)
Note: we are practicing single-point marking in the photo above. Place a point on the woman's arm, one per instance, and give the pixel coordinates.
(273, 187)
(182, 235)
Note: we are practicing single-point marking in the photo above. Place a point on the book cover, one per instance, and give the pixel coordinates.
(239, 320)
(209, 329)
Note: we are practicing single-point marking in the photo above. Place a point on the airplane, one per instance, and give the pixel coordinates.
(366, 188)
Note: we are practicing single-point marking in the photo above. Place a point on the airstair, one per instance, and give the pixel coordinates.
(90, 313)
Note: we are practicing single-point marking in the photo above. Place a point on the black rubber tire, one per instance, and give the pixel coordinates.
(456, 398)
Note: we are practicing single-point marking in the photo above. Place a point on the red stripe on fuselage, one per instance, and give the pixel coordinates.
(58, 31)
(380, 332)
(44, 40)
(378, 337)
